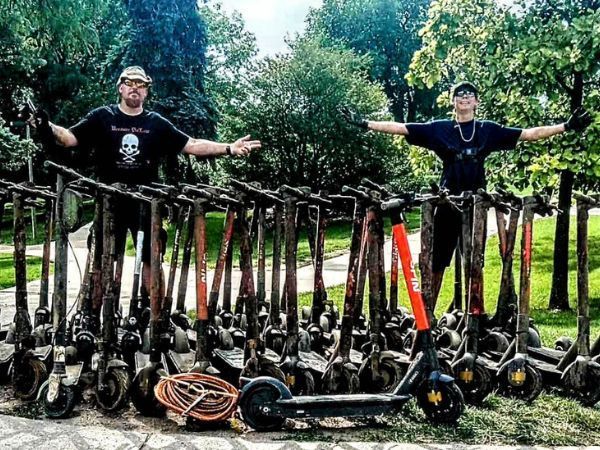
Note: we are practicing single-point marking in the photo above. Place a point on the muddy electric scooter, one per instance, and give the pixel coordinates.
(23, 356)
(112, 378)
(518, 375)
(473, 372)
(150, 361)
(186, 361)
(254, 359)
(581, 377)
(299, 361)
(341, 374)
(265, 403)
(573, 369)
(59, 393)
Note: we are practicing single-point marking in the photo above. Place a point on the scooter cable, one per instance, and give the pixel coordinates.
(203, 397)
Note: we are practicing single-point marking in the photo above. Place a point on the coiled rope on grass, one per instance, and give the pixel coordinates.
(203, 397)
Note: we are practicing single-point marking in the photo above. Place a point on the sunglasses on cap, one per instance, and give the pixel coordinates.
(465, 94)
(135, 83)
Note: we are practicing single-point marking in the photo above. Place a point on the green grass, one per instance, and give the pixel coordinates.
(7, 269)
(550, 420)
(337, 240)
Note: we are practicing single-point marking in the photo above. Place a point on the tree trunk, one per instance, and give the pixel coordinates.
(559, 296)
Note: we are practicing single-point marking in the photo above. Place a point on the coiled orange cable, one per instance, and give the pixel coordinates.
(203, 397)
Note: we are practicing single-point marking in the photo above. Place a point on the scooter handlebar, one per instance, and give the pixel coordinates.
(29, 191)
(376, 187)
(62, 170)
(593, 200)
(255, 191)
(304, 193)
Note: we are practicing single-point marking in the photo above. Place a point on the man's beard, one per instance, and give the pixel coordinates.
(133, 102)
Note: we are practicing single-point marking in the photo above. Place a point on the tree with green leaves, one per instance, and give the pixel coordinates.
(168, 39)
(295, 105)
(387, 31)
(52, 53)
(536, 62)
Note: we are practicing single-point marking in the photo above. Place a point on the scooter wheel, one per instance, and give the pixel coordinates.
(142, 395)
(5, 371)
(114, 396)
(254, 404)
(584, 386)
(303, 384)
(447, 320)
(476, 385)
(277, 344)
(271, 370)
(63, 406)
(29, 377)
(394, 340)
(563, 343)
(445, 404)
(528, 391)
(391, 374)
(306, 312)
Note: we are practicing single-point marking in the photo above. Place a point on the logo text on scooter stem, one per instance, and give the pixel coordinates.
(414, 281)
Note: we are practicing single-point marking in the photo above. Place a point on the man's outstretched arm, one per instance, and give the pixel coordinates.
(579, 121)
(203, 147)
(50, 132)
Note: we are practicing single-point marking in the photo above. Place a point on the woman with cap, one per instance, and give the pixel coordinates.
(462, 144)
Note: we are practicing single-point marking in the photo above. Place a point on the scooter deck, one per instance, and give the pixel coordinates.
(8, 350)
(546, 354)
(339, 405)
(182, 362)
(143, 359)
(316, 363)
(234, 358)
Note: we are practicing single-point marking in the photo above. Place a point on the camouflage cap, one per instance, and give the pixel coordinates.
(134, 73)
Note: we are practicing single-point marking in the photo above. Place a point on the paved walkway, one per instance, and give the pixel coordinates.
(19, 433)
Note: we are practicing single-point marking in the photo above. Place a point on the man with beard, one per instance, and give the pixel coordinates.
(129, 143)
(462, 144)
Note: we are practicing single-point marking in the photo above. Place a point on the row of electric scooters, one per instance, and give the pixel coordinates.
(280, 356)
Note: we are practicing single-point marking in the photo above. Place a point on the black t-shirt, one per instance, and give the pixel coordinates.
(463, 168)
(127, 148)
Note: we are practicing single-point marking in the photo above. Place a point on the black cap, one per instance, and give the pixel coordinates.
(464, 86)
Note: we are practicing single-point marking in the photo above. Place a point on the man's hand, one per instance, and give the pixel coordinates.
(243, 146)
(353, 118)
(579, 120)
(41, 122)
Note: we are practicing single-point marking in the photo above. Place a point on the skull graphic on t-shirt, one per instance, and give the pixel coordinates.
(130, 147)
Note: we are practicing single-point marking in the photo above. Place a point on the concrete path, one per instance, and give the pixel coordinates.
(19, 433)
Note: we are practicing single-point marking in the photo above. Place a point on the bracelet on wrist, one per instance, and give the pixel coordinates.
(228, 150)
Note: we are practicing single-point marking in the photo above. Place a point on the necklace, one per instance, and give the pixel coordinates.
(461, 133)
